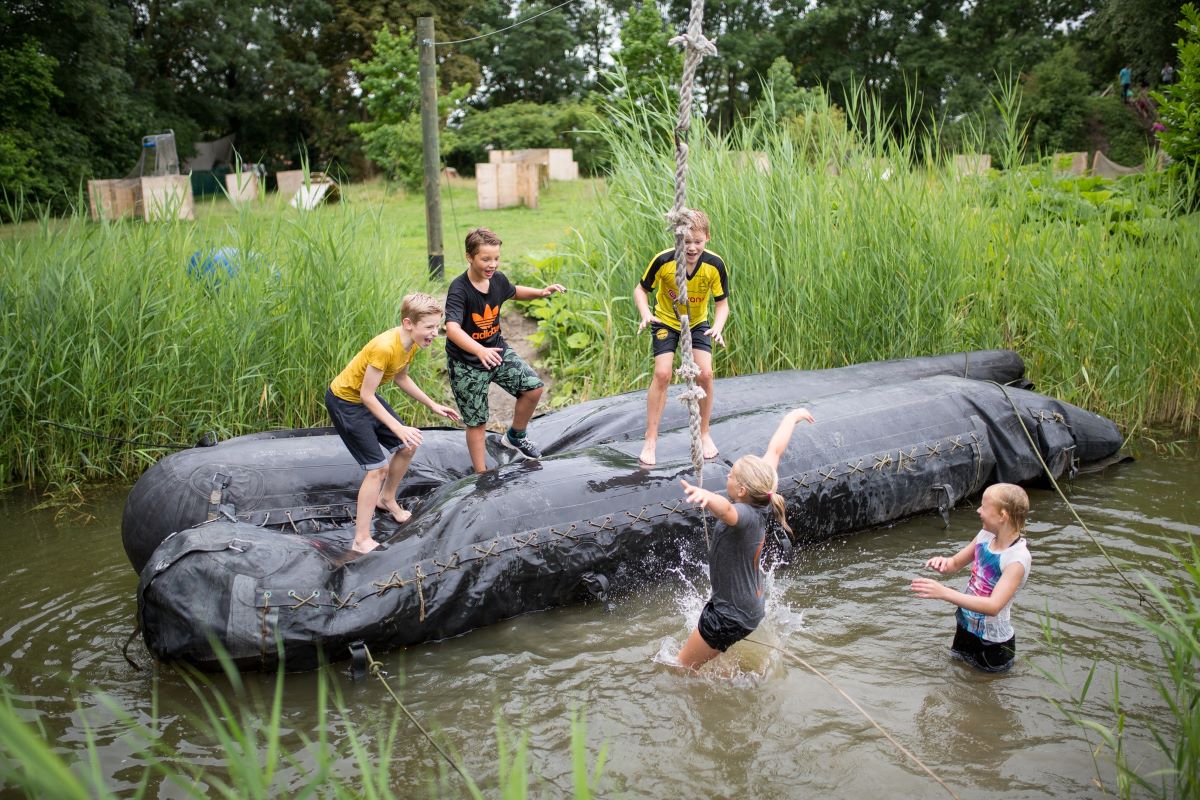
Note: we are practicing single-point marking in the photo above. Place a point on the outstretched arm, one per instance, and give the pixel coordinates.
(530, 293)
(409, 387)
(720, 507)
(783, 435)
(1006, 587)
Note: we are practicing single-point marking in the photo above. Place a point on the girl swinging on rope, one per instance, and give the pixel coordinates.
(737, 604)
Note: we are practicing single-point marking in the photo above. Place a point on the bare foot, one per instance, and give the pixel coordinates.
(647, 456)
(709, 447)
(364, 547)
(401, 515)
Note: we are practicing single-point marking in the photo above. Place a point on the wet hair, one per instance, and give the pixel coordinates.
(761, 483)
(480, 237)
(419, 304)
(1012, 500)
(700, 223)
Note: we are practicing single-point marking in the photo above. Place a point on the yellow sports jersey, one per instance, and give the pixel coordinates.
(709, 279)
(385, 352)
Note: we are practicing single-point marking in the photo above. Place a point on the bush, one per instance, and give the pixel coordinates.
(1115, 131)
(1179, 101)
(523, 124)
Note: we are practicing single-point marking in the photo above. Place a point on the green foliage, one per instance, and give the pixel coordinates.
(263, 757)
(818, 127)
(895, 256)
(1055, 102)
(1174, 622)
(1114, 130)
(645, 56)
(1178, 103)
(523, 124)
(391, 84)
(538, 62)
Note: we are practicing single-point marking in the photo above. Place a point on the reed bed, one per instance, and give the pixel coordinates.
(893, 256)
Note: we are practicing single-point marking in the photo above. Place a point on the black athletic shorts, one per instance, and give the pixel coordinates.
(982, 654)
(718, 631)
(666, 340)
(368, 440)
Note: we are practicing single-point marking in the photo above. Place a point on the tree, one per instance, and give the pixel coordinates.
(1055, 101)
(392, 97)
(538, 61)
(648, 60)
(1178, 103)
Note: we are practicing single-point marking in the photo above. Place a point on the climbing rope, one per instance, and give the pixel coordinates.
(908, 753)
(680, 219)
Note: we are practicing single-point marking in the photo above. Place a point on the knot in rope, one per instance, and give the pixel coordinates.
(695, 42)
(689, 370)
(681, 219)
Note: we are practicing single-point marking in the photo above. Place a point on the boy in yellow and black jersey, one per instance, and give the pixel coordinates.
(706, 277)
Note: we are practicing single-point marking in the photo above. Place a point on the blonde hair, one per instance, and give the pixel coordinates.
(478, 238)
(1012, 500)
(700, 222)
(419, 304)
(761, 482)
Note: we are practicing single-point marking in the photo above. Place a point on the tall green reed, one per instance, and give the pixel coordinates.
(1174, 623)
(260, 754)
(104, 331)
(890, 255)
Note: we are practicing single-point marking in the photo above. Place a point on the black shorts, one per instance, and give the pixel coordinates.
(718, 631)
(666, 340)
(368, 440)
(982, 654)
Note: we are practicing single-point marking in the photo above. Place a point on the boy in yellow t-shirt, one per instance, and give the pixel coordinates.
(379, 441)
(706, 277)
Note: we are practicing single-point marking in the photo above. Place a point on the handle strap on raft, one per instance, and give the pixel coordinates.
(216, 495)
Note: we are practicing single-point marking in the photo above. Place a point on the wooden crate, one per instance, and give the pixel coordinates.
(1069, 163)
(241, 188)
(559, 161)
(289, 181)
(166, 197)
(529, 180)
(496, 185)
(972, 164)
(114, 199)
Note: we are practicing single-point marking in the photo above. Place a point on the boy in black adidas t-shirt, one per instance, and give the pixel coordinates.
(478, 355)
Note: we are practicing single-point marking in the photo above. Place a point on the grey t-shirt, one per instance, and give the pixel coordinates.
(733, 557)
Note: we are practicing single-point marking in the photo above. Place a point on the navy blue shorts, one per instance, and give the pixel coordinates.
(982, 654)
(718, 631)
(368, 440)
(666, 340)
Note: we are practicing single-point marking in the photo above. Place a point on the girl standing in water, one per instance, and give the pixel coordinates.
(1000, 566)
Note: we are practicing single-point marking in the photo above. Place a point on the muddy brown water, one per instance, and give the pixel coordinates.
(758, 726)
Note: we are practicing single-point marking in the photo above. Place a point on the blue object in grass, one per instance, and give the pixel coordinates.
(216, 266)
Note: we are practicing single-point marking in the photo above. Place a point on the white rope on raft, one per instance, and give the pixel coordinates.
(680, 219)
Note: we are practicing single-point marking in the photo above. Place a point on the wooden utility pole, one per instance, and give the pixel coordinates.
(429, 138)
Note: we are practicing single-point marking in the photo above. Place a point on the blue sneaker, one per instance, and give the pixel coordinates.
(523, 445)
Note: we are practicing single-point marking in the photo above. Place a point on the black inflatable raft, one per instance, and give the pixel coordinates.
(269, 571)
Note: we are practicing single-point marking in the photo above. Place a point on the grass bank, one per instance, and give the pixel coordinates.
(894, 254)
(105, 334)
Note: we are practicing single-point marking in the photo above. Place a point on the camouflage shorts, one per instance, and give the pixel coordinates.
(470, 384)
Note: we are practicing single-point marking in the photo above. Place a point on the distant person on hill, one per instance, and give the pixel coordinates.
(379, 441)
(1000, 561)
(1167, 76)
(737, 603)
(1126, 78)
(706, 277)
(477, 354)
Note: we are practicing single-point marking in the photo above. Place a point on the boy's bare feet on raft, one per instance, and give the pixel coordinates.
(401, 515)
(365, 547)
(708, 446)
(647, 456)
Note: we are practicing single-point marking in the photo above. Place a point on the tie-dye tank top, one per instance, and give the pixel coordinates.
(985, 574)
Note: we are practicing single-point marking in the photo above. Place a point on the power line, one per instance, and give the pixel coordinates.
(509, 28)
